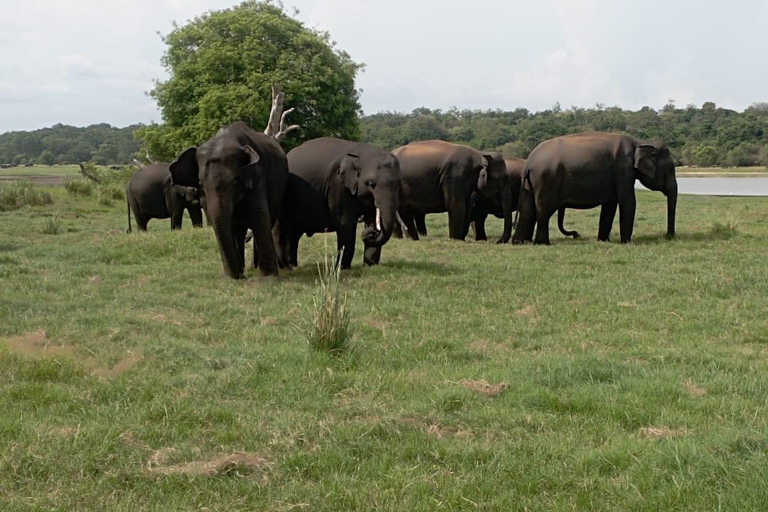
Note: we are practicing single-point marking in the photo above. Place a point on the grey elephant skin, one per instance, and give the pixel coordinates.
(151, 194)
(242, 174)
(332, 183)
(591, 169)
(442, 177)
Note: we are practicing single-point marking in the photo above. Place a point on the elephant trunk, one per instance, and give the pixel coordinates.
(220, 215)
(671, 193)
(386, 219)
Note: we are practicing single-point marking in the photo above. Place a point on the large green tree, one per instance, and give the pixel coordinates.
(222, 66)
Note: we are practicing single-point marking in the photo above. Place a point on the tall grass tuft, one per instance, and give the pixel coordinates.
(725, 230)
(79, 187)
(18, 195)
(52, 225)
(104, 196)
(327, 328)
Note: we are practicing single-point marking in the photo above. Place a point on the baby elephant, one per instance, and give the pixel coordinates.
(151, 195)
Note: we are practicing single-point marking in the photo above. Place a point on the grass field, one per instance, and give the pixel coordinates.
(580, 376)
(42, 170)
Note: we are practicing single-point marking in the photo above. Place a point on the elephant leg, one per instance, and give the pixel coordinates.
(345, 245)
(421, 223)
(410, 224)
(544, 212)
(607, 214)
(627, 218)
(458, 216)
(293, 260)
(281, 237)
(176, 219)
(561, 224)
(479, 228)
(397, 232)
(238, 237)
(526, 221)
(141, 221)
(196, 214)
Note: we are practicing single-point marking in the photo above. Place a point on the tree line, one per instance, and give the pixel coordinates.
(701, 136)
(63, 144)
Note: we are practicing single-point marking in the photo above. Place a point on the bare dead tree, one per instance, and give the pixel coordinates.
(88, 175)
(146, 152)
(276, 126)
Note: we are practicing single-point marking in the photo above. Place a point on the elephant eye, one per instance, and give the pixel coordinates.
(371, 184)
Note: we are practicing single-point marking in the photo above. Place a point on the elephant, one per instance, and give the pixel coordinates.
(152, 195)
(591, 169)
(242, 174)
(332, 184)
(440, 176)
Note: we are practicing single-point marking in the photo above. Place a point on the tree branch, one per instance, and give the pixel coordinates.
(88, 175)
(276, 125)
(138, 164)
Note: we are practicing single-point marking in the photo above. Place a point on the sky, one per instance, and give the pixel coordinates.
(81, 62)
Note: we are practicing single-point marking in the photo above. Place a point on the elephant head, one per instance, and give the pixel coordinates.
(655, 169)
(374, 179)
(191, 195)
(224, 172)
(495, 184)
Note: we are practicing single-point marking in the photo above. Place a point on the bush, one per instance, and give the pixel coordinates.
(18, 195)
(104, 196)
(113, 191)
(52, 226)
(79, 187)
(328, 329)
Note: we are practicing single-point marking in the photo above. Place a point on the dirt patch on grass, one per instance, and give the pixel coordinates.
(484, 387)
(694, 391)
(35, 344)
(120, 368)
(662, 432)
(237, 464)
(527, 311)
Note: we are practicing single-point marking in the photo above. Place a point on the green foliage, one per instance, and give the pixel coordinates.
(17, 195)
(222, 66)
(52, 225)
(706, 136)
(79, 187)
(327, 328)
(64, 144)
(108, 176)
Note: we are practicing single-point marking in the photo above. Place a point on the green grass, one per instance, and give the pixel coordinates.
(17, 195)
(42, 170)
(135, 377)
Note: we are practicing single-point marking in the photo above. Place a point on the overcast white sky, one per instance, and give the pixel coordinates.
(87, 61)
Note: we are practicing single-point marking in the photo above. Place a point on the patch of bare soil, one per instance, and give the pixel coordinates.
(662, 432)
(694, 391)
(238, 464)
(37, 180)
(527, 311)
(121, 367)
(35, 344)
(484, 387)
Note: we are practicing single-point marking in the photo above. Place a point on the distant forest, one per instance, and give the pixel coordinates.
(700, 136)
(62, 144)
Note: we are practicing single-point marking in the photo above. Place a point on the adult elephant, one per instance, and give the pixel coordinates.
(242, 174)
(441, 176)
(151, 195)
(591, 169)
(332, 183)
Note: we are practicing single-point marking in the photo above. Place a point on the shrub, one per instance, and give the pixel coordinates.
(727, 229)
(79, 187)
(105, 196)
(52, 225)
(327, 328)
(18, 195)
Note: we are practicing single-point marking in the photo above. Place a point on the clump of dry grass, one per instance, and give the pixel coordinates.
(327, 328)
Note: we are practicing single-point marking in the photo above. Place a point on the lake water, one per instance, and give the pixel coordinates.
(721, 186)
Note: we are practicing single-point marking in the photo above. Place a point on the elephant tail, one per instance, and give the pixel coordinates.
(561, 220)
(526, 177)
(128, 204)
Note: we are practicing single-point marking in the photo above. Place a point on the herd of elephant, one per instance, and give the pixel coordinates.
(242, 179)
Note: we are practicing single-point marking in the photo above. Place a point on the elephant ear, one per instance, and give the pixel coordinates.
(482, 178)
(184, 170)
(247, 172)
(349, 172)
(645, 160)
